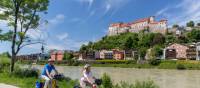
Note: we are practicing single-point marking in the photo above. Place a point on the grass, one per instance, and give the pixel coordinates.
(29, 82)
(24, 82)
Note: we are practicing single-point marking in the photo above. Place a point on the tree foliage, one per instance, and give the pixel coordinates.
(175, 26)
(198, 24)
(67, 56)
(190, 24)
(21, 16)
(194, 35)
(127, 41)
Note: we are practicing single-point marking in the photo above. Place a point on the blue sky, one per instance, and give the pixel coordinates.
(75, 22)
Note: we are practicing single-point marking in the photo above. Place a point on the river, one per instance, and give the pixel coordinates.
(163, 78)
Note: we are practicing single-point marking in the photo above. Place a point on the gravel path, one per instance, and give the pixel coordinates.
(6, 86)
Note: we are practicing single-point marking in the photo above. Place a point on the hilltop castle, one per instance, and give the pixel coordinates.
(138, 25)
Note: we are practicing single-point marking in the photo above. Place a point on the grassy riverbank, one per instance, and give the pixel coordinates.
(152, 64)
(180, 65)
(26, 78)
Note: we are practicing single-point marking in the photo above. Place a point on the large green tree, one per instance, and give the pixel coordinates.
(190, 24)
(194, 35)
(21, 16)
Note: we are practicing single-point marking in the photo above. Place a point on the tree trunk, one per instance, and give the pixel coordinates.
(12, 63)
(13, 57)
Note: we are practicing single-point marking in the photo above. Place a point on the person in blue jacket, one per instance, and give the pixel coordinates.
(46, 72)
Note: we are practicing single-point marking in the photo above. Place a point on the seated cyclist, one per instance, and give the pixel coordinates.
(46, 72)
(88, 79)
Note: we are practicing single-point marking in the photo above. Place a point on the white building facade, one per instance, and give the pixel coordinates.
(139, 25)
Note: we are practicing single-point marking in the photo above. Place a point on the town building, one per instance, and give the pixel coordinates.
(106, 54)
(87, 55)
(176, 51)
(57, 55)
(118, 54)
(139, 25)
(130, 54)
(97, 55)
(76, 55)
(180, 51)
(30, 57)
(191, 52)
(198, 51)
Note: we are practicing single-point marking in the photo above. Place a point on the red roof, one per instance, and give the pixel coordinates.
(163, 20)
(58, 52)
(116, 24)
(141, 20)
(120, 25)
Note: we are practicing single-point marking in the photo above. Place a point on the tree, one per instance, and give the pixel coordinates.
(194, 35)
(142, 52)
(128, 44)
(158, 39)
(175, 26)
(190, 24)
(67, 56)
(157, 51)
(22, 16)
(198, 24)
(83, 48)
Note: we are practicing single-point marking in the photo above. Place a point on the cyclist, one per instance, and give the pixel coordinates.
(88, 79)
(46, 72)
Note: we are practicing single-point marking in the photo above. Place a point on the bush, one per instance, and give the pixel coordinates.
(4, 62)
(138, 84)
(155, 62)
(76, 63)
(26, 72)
(145, 84)
(115, 62)
(180, 67)
(107, 83)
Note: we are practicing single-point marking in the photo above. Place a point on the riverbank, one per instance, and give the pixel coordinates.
(29, 82)
(152, 64)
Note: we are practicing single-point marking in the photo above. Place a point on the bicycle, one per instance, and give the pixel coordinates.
(53, 83)
(97, 83)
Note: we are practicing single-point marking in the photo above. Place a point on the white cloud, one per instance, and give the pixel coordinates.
(181, 13)
(114, 5)
(57, 19)
(162, 11)
(62, 36)
(75, 20)
(88, 2)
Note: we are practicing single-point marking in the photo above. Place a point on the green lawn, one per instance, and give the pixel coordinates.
(30, 82)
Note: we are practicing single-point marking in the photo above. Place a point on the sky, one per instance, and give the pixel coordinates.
(72, 23)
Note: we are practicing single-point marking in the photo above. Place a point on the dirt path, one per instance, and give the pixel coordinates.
(6, 86)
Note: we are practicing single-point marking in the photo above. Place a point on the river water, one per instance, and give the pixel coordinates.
(163, 78)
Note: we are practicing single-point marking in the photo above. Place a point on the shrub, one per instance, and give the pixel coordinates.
(76, 63)
(138, 84)
(4, 61)
(107, 83)
(155, 62)
(180, 67)
(26, 72)
(145, 84)
(115, 62)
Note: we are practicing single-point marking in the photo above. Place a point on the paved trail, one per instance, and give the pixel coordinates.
(6, 86)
